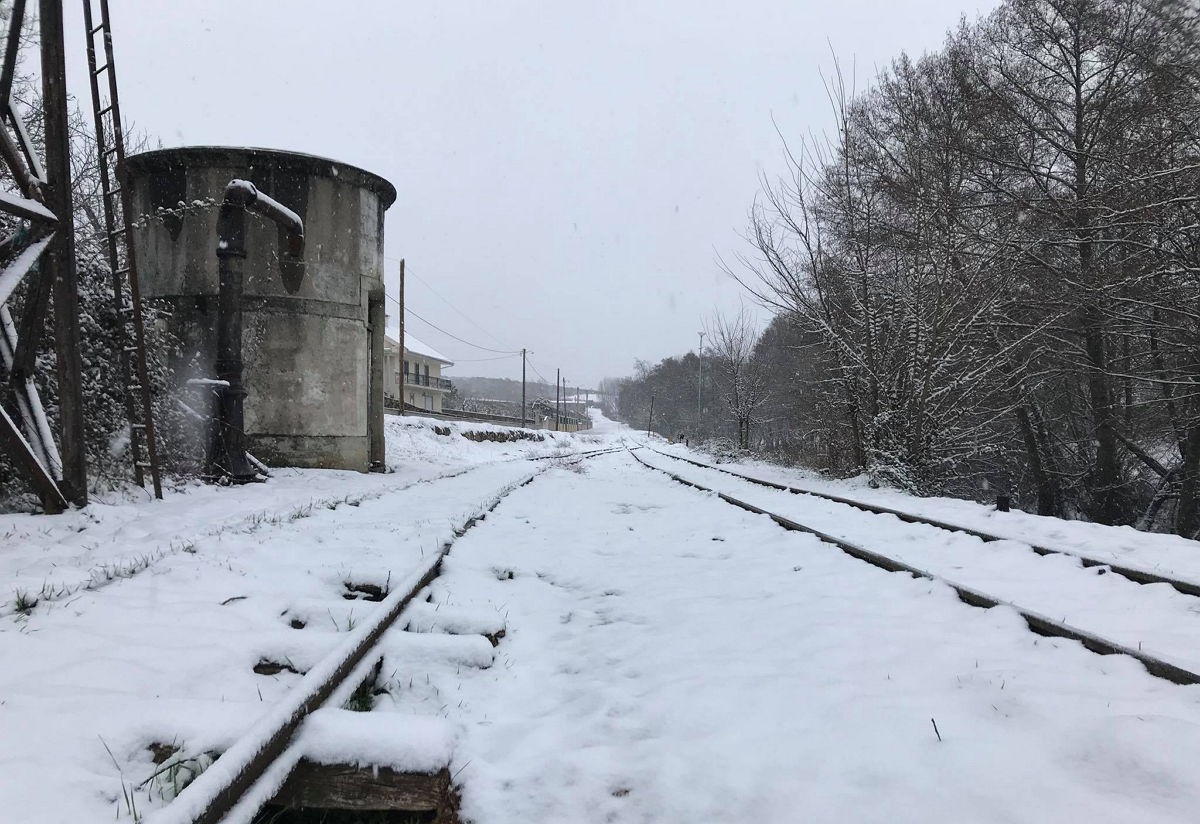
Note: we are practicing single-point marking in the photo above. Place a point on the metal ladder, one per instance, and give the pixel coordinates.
(118, 214)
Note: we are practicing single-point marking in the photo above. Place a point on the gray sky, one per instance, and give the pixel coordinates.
(567, 172)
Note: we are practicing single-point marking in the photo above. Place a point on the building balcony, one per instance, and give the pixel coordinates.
(426, 381)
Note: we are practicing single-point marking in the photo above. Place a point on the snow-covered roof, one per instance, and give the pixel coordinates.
(416, 347)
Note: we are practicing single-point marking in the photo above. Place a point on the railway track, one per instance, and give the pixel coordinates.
(118, 568)
(1037, 622)
(247, 775)
(1140, 576)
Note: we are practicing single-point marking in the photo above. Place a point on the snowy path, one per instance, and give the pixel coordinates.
(1154, 618)
(671, 658)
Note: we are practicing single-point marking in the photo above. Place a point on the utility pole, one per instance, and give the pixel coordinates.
(557, 409)
(650, 420)
(699, 380)
(523, 419)
(58, 265)
(400, 365)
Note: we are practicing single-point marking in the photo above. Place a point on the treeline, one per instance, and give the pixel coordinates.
(466, 390)
(718, 394)
(989, 270)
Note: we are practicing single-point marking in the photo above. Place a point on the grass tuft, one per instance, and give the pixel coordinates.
(24, 602)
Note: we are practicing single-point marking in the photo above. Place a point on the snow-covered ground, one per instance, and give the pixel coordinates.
(672, 658)
(666, 657)
(45, 558)
(151, 617)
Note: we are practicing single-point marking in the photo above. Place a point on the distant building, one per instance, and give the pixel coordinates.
(414, 378)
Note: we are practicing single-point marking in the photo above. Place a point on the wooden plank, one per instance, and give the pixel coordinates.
(25, 208)
(349, 787)
(15, 272)
(23, 455)
(12, 48)
(33, 316)
(11, 154)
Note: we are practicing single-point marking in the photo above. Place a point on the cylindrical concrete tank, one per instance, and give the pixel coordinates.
(308, 354)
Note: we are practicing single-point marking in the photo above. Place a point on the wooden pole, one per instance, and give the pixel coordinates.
(59, 261)
(699, 380)
(523, 419)
(650, 420)
(403, 354)
(557, 409)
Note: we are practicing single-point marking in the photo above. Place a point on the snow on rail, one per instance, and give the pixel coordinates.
(1038, 623)
(1141, 576)
(219, 788)
(1148, 615)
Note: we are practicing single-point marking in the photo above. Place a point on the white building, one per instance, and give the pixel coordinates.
(416, 376)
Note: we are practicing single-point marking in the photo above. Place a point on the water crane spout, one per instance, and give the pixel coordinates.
(227, 442)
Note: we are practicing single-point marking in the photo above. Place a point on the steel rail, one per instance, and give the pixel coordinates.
(1037, 623)
(1140, 576)
(237, 772)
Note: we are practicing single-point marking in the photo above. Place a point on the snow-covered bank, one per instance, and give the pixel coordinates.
(236, 579)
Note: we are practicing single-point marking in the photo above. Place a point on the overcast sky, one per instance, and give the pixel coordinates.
(568, 172)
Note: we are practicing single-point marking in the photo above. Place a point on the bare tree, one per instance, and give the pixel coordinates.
(733, 351)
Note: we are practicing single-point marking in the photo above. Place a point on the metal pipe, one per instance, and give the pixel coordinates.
(227, 444)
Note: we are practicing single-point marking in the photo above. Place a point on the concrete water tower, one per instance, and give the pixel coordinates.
(313, 352)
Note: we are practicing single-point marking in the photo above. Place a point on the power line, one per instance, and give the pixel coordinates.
(452, 335)
(444, 300)
(481, 360)
(461, 340)
(536, 371)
